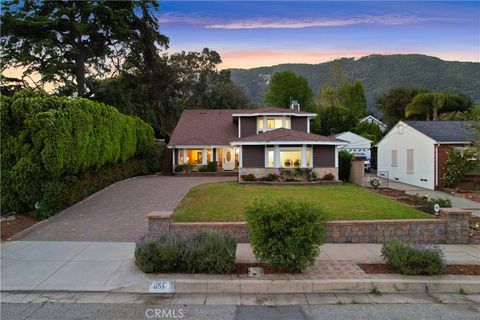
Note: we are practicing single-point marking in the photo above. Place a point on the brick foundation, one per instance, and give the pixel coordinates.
(452, 227)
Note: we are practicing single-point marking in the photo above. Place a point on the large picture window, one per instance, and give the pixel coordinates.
(288, 157)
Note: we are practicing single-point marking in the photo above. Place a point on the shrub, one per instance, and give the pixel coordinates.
(413, 260)
(206, 252)
(203, 169)
(344, 165)
(285, 234)
(249, 177)
(47, 139)
(271, 177)
(179, 168)
(311, 175)
(212, 166)
(375, 182)
(427, 204)
(328, 177)
(211, 252)
(458, 164)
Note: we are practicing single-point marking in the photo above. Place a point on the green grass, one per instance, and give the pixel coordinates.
(226, 201)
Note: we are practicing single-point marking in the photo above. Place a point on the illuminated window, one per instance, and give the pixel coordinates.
(260, 123)
(270, 159)
(290, 158)
(273, 123)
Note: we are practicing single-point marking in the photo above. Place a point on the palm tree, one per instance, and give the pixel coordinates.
(428, 104)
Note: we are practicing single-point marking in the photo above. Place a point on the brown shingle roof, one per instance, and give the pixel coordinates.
(205, 127)
(288, 135)
(211, 127)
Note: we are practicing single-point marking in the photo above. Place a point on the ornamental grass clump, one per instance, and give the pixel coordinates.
(413, 259)
(206, 252)
(285, 234)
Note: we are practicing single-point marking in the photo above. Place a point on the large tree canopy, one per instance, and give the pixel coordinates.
(70, 43)
(430, 105)
(159, 93)
(286, 86)
(392, 105)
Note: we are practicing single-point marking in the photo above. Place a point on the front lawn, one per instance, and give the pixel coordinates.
(226, 201)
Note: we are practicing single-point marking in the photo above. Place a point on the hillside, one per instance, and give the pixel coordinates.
(378, 73)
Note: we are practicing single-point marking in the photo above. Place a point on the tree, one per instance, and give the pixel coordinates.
(286, 86)
(392, 104)
(333, 119)
(431, 104)
(353, 97)
(369, 130)
(158, 94)
(69, 43)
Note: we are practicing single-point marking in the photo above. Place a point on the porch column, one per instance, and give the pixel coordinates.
(184, 156)
(204, 156)
(336, 156)
(311, 155)
(240, 158)
(173, 157)
(303, 161)
(276, 156)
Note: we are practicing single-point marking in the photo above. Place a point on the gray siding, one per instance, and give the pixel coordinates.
(248, 126)
(323, 156)
(253, 156)
(299, 123)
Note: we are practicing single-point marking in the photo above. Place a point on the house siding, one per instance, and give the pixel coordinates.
(299, 123)
(248, 126)
(253, 156)
(323, 156)
(423, 147)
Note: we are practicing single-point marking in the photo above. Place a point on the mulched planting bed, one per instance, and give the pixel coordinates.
(452, 269)
(12, 227)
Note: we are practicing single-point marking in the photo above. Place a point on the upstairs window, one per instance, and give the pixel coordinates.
(266, 123)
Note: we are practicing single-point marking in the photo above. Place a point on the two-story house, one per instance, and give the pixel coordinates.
(258, 141)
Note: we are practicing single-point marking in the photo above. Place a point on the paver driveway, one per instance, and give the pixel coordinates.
(118, 213)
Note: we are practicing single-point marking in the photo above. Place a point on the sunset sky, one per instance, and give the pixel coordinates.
(259, 33)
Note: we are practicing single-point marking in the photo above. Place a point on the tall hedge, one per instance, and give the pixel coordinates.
(46, 138)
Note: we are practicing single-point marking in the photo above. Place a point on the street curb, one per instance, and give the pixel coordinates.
(250, 286)
(302, 286)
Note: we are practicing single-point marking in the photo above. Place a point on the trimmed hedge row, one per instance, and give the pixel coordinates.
(48, 141)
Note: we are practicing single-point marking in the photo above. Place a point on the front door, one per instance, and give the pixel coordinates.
(228, 159)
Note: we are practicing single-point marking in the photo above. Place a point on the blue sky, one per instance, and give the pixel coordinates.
(257, 33)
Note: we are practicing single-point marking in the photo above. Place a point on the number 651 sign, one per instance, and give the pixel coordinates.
(161, 286)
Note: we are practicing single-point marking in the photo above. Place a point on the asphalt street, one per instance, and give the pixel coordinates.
(77, 311)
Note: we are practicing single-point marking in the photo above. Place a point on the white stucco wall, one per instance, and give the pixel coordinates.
(401, 139)
(356, 144)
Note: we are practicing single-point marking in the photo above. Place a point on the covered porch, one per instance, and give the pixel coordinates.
(196, 157)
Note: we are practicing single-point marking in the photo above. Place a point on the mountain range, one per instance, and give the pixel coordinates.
(378, 73)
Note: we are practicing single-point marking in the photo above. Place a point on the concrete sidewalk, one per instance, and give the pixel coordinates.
(109, 267)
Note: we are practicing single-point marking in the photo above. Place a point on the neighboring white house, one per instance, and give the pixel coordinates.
(414, 152)
(372, 119)
(357, 145)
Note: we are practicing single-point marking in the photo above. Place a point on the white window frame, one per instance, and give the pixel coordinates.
(304, 162)
(266, 118)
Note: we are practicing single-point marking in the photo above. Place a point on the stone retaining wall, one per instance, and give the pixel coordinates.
(452, 228)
